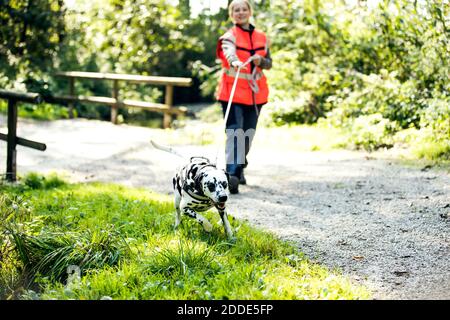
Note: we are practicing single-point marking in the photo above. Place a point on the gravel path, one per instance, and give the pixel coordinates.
(383, 225)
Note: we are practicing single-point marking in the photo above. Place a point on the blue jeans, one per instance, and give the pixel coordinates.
(240, 117)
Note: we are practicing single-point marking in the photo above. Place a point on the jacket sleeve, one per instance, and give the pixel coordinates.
(266, 62)
(228, 45)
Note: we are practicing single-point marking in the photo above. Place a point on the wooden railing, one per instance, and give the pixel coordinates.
(115, 102)
(11, 138)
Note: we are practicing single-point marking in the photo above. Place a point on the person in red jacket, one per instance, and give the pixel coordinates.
(239, 44)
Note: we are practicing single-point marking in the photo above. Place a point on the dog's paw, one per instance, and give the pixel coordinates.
(207, 226)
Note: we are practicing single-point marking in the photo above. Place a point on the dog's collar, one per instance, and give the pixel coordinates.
(194, 195)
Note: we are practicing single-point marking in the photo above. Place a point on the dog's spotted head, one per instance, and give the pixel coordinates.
(214, 184)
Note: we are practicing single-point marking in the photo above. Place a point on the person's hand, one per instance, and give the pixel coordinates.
(257, 59)
(238, 64)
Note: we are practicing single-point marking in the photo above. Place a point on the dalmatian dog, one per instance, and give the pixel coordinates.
(199, 186)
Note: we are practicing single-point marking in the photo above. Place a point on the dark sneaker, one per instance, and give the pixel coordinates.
(242, 178)
(234, 185)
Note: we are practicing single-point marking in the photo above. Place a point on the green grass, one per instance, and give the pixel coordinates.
(123, 241)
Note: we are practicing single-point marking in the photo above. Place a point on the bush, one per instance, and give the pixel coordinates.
(290, 111)
(36, 181)
(436, 117)
(354, 61)
(383, 94)
(372, 132)
(433, 139)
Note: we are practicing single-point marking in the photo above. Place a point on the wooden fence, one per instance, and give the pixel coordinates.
(11, 138)
(115, 102)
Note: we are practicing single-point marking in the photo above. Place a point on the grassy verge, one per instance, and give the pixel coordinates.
(410, 146)
(122, 241)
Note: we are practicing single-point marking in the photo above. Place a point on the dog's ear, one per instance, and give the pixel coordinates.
(197, 181)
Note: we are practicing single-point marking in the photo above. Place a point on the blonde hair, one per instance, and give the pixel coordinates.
(234, 2)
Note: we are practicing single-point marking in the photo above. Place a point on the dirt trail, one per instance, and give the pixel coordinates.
(383, 225)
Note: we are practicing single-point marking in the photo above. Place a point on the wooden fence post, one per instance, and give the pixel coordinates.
(11, 167)
(71, 93)
(11, 138)
(169, 102)
(115, 107)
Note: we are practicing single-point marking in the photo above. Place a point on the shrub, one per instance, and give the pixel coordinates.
(371, 132)
(436, 117)
(383, 94)
(357, 60)
(433, 139)
(36, 181)
(290, 111)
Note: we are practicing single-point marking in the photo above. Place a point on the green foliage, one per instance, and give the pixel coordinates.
(43, 111)
(36, 181)
(15, 214)
(208, 76)
(339, 60)
(382, 94)
(358, 60)
(183, 259)
(430, 149)
(432, 141)
(30, 35)
(436, 118)
(371, 132)
(138, 37)
(50, 254)
(292, 111)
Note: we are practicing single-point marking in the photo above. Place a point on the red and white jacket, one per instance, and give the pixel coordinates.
(239, 43)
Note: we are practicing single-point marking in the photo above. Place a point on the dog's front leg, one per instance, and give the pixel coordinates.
(177, 208)
(226, 223)
(200, 219)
